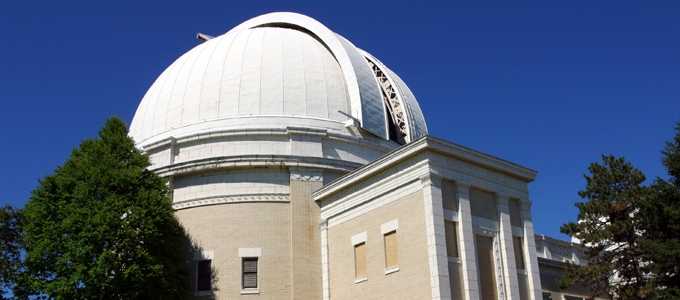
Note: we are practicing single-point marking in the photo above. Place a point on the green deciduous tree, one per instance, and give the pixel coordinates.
(632, 231)
(10, 247)
(102, 226)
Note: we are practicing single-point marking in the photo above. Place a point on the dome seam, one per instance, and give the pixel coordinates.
(194, 65)
(224, 63)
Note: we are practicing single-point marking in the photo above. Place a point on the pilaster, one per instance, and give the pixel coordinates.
(436, 236)
(325, 270)
(507, 249)
(305, 236)
(533, 277)
(467, 242)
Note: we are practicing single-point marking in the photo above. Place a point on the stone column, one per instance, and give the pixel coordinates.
(467, 242)
(436, 236)
(507, 249)
(530, 259)
(305, 235)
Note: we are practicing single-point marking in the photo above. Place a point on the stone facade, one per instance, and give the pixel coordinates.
(302, 169)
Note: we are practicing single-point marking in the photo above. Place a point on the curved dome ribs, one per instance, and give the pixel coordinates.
(392, 103)
(272, 72)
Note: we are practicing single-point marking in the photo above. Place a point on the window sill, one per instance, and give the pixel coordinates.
(202, 293)
(522, 272)
(249, 291)
(454, 259)
(391, 270)
(360, 279)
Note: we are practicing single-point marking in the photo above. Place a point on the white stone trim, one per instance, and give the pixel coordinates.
(500, 280)
(250, 252)
(391, 270)
(204, 255)
(231, 199)
(454, 260)
(325, 272)
(485, 223)
(466, 235)
(305, 174)
(450, 215)
(360, 279)
(530, 258)
(389, 226)
(436, 236)
(509, 263)
(359, 238)
(517, 231)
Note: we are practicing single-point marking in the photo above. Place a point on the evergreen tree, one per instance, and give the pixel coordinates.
(606, 227)
(102, 227)
(660, 218)
(632, 231)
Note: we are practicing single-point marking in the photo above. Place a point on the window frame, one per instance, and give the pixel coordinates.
(250, 254)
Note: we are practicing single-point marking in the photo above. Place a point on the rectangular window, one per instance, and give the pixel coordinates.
(203, 271)
(360, 260)
(451, 238)
(391, 250)
(250, 272)
(486, 268)
(519, 254)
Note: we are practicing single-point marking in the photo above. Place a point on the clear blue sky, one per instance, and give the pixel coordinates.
(550, 85)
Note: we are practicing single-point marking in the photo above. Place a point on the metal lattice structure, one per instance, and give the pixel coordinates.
(391, 102)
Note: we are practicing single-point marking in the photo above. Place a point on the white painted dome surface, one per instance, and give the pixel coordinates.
(273, 71)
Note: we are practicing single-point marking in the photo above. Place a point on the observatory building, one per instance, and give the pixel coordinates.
(302, 169)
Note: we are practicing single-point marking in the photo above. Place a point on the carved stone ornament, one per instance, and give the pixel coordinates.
(231, 199)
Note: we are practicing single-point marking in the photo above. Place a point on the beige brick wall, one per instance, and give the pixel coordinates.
(305, 240)
(227, 227)
(412, 281)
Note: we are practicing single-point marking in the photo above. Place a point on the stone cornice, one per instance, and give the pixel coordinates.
(230, 199)
(254, 161)
(434, 144)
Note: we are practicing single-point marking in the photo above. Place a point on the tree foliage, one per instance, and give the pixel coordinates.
(10, 247)
(632, 231)
(102, 227)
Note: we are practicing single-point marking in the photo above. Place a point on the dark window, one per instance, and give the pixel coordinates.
(250, 273)
(203, 276)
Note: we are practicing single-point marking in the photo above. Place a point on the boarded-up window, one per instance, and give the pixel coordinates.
(203, 276)
(360, 260)
(519, 254)
(449, 199)
(391, 250)
(515, 217)
(487, 271)
(250, 273)
(451, 238)
(483, 204)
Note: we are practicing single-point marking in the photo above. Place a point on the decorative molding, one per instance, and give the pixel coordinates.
(306, 177)
(306, 174)
(231, 199)
(431, 179)
(323, 224)
(500, 284)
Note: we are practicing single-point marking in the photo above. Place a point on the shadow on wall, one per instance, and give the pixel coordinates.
(202, 273)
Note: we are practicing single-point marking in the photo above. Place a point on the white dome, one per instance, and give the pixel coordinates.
(273, 71)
